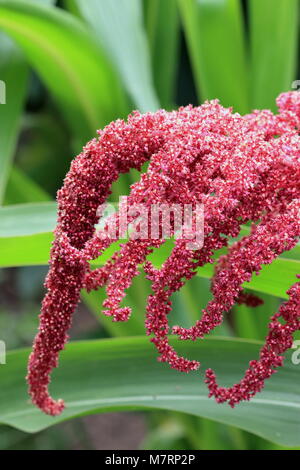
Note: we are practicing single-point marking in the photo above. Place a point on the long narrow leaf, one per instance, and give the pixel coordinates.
(123, 374)
(119, 27)
(162, 24)
(27, 219)
(31, 225)
(12, 65)
(215, 38)
(70, 63)
(21, 189)
(274, 38)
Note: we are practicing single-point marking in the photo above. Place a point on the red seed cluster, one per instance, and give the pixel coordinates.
(241, 168)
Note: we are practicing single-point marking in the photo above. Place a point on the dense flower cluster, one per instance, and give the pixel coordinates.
(242, 168)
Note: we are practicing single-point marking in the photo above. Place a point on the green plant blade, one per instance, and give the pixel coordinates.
(162, 25)
(123, 374)
(274, 38)
(27, 219)
(22, 189)
(274, 279)
(69, 61)
(215, 39)
(118, 24)
(31, 250)
(11, 65)
(252, 323)
(31, 226)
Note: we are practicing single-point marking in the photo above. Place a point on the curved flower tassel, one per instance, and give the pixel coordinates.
(279, 339)
(241, 168)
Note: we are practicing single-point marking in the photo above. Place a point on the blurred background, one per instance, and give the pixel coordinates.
(72, 66)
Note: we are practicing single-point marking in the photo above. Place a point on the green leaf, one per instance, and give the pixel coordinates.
(162, 24)
(12, 65)
(31, 250)
(274, 279)
(252, 323)
(31, 226)
(22, 189)
(118, 25)
(215, 38)
(69, 61)
(123, 374)
(27, 219)
(135, 325)
(274, 38)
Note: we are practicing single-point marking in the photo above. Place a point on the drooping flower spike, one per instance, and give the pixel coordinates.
(241, 168)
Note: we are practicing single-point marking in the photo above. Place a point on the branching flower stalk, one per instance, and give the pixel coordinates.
(242, 168)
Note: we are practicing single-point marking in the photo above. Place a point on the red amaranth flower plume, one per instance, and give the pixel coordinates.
(241, 168)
